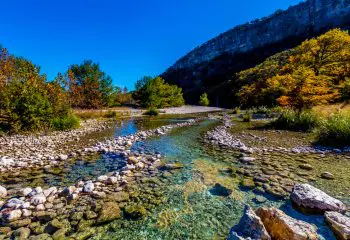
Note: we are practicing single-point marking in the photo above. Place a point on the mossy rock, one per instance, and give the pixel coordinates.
(109, 212)
(85, 224)
(135, 212)
(43, 236)
(60, 234)
(119, 196)
(60, 224)
(247, 183)
(86, 234)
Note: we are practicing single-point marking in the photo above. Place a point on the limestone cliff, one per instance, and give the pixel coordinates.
(209, 66)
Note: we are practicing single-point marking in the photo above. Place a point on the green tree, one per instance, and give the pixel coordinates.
(313, 73)
(27, 101)
(156, 93)
(89, 86)
(203, 100)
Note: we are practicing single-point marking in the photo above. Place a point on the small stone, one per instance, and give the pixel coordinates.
(21, 233)
(102, 178)
(62, 157)
(112, 180)
(38, 199)
(11, 215)
(88, 187)
(327, 175)
(260, 199)
(307, 167)
(20, 223)
(3, 192)
(40, 207)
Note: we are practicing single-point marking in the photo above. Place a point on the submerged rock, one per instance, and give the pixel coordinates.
(173, 166)
(327, 175)
(249, 227)
(135, 212)
(220, 190)
(109, 211)
(339, 223)
(312, 199)
(280, 226)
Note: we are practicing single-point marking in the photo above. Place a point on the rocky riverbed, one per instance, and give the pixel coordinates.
(56, 211)
(183, 180)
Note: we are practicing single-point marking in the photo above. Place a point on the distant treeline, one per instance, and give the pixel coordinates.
(29, 102)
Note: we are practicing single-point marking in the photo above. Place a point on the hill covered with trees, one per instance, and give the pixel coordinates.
(212, 67)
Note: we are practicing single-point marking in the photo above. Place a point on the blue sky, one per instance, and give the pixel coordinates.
(129, 38)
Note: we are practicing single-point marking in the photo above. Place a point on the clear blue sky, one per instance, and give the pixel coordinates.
(129, 38)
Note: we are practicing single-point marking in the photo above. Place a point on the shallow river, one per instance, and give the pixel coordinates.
(184, 203)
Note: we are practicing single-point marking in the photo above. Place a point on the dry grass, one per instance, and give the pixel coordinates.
(326, 110)
(103, 113)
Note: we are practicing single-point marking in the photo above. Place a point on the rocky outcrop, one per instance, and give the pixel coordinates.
(312, 199)
(280, 226)
(249, 227)
(244, 46)
(339, 223)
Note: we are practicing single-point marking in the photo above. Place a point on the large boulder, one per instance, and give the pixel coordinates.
(249, 227)
(280, 226)
(310, 198)
(339, 223)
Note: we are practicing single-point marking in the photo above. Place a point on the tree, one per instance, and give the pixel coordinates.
(313, 73)
(156, 93)
(88, 85)
(27, 101)
(203, 100)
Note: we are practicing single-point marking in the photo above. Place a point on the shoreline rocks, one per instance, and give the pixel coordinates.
(250, 226)
(281, 226)
(37, 207)
(312, 199)
(339, 224)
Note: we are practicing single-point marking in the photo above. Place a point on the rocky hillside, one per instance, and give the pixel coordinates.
(211, 67)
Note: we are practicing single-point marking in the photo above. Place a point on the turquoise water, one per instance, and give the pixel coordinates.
(190, 208)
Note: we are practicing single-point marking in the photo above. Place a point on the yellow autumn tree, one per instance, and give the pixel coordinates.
(310, 74)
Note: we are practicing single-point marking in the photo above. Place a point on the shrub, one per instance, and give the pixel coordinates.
(296, 120)
(203, 100)
(247, 117)
(236, 110)
(65, 123)
(152, 112)
(156, 93)
(335, 130)
(111, 114)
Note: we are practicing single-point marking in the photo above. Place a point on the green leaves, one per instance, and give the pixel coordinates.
(203, 100)
(156, 93)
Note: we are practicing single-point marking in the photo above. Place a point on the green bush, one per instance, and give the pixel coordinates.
(65, 123)
(156, 93)
(247, 117)
(335, 130)
(111, 114)
(236, 110)
(203, 100)
(295, 120)
(152, 112)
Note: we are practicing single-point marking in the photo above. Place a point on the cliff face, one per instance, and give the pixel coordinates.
(208, 67)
